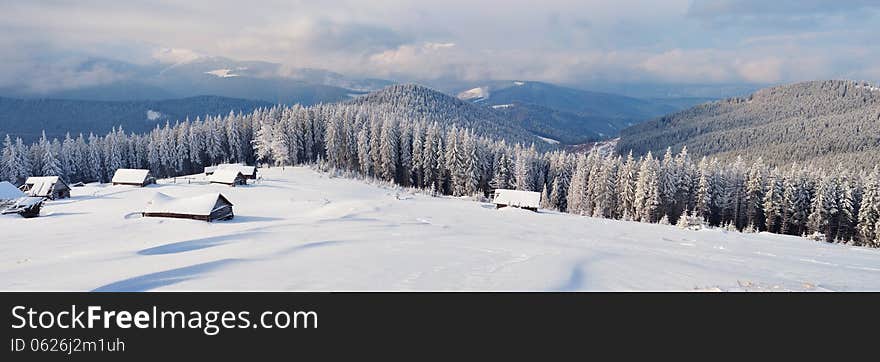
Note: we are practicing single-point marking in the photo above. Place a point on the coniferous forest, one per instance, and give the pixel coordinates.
(825, 123)
(427, 151)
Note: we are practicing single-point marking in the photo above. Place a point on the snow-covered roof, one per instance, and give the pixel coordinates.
(41, 179)
(130, 176)
(244, 169)
(517, 198)
(8, 191)
(26, 202)
(201, 205)
(226, 176)
(42, 185)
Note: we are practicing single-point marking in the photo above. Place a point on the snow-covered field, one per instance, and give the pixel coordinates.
(303, 230)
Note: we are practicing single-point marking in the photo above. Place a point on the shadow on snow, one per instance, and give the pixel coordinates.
(164, 278)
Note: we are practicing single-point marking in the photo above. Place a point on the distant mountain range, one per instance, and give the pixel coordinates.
(145, 94)
(569, 115)
(26, 118)
(827, 123)
(254, 80)
(556, 113)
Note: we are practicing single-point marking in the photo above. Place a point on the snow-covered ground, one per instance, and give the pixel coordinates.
(222, 73)
(549, 140)
(477, 94)
(303, 230)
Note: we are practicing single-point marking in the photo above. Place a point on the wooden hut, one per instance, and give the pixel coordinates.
(229, 177)
(249, 172)
(209, 207)
(515, 198)
(133, 177)
(51, 187)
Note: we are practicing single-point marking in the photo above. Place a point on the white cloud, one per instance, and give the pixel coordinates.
(767, 70)
(566, 41)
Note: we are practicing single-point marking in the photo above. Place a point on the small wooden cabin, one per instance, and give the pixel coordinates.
(133, 177)
(209, 207)
(227, 177)
(51, 187)
(249, 172)
(528, 200)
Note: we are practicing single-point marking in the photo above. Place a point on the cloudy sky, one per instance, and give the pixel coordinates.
(566, 41)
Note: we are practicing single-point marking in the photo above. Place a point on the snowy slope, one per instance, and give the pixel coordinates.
(302, 230)
(474, 94)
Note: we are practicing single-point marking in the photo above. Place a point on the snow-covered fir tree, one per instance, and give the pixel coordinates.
(577, 190)
(388, 150)
(49, 163)
(363, 151)
(869, 212)
(773, 202)
(647, 197)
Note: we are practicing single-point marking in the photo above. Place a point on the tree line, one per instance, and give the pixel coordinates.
(379, 141)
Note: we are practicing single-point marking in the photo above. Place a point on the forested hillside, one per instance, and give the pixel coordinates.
(826, 123)
(26, 118)
(569, 115)
(417, 103)
(565, 127)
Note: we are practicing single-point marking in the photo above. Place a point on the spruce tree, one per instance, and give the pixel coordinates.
(388, 152)
(556, 198)
(577, 189)
(522, 171)
(668, 181)
(705, 192)
(626, 187)
(50, 163)
(648, 200)
(545, 199)
(262, 142)
(773, 202)
(67, 159)
(824, 211)
(754, 193)
(869, 213)
(363, 151)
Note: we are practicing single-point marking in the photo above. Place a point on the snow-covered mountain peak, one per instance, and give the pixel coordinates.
(222, 73)
(474, 94)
